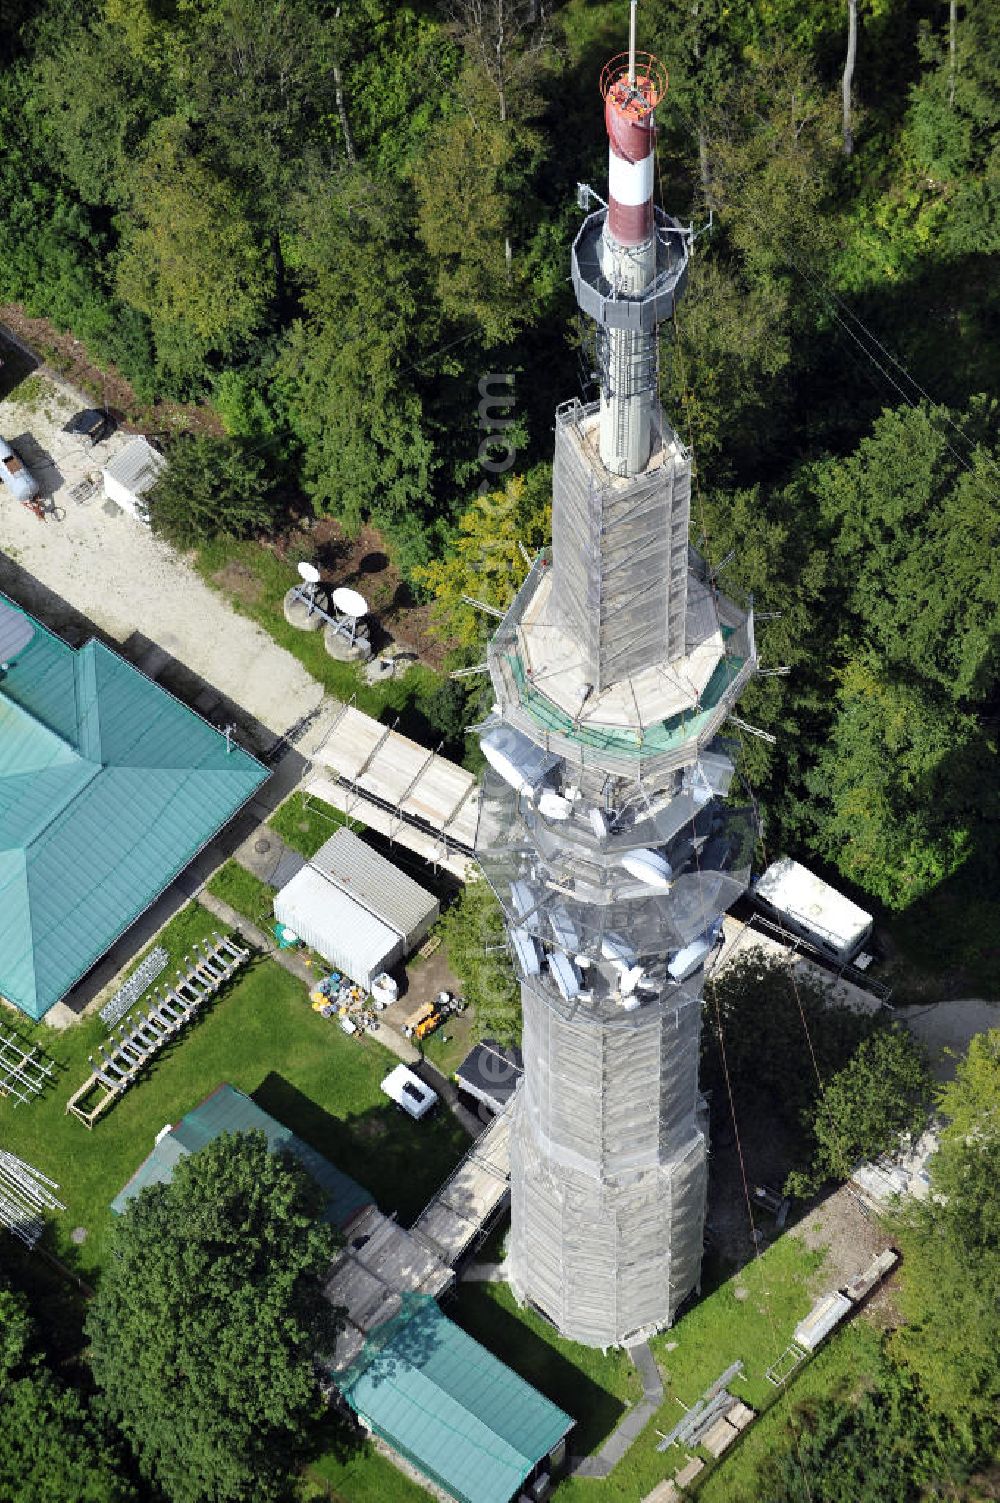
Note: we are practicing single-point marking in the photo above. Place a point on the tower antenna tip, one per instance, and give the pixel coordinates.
(631, 42)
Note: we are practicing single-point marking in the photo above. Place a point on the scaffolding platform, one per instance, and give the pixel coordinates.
(471, 1198)
(24, 1074)
(419, 790)
(211, 966)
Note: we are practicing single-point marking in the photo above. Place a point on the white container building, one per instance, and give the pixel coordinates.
(356, 909)
(130, 474)
(352, 865)
(810, 907)
(353, 940)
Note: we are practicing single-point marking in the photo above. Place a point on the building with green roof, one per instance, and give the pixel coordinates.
(454, 1410)
(109, 787)
(230, 1110)
(437, 1397)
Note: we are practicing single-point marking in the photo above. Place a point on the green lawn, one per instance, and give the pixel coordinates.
(244, 892)
(448, 1045)
(306, 824)
(587, 1384)
(833, 1372)
(262, 1036)
(361, 1476)
(716, 1331)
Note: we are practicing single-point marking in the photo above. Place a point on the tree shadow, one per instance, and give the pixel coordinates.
(401, 1163)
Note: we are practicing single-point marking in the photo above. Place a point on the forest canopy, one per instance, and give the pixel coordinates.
(329, 222)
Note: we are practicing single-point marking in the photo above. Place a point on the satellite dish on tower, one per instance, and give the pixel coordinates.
(349, 602)
(309, 573)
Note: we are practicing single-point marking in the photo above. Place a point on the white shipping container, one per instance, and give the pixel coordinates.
(809, 906)
(353, 866)
(131, 473)
(338, 927)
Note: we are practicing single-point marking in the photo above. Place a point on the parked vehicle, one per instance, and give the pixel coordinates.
(15, 473)
(810, 907)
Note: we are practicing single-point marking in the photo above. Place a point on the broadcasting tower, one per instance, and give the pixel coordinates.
(604, 826)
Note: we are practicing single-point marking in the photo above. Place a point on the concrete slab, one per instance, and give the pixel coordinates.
(689, 1471)
(719, 1437)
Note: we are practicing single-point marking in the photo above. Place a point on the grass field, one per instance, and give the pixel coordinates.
(260, 1035)
(448, 1045)
(305, 825)
(360, 1476)
(244, 892)
(833, 1372)
(749, 1316)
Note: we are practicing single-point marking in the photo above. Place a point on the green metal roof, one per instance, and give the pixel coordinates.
(108, 788)
(445, 1402)
(231, 1110)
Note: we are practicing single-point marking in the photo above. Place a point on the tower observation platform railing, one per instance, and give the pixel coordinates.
(639, 312)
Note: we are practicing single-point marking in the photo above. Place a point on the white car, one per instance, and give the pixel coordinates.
(409, 1092)
(15, 473)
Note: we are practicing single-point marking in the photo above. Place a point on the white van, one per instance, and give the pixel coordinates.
(409, 1092)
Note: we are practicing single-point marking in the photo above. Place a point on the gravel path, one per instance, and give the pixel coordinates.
(109, 567)
(949, 1026)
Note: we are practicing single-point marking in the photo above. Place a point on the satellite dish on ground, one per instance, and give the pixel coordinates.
(349, 602)
(309, 573)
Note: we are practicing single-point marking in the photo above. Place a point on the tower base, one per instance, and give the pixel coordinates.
(607, 1263)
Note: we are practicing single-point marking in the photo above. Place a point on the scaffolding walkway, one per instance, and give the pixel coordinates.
(473, 1197)
(209, 968)
(395, 786)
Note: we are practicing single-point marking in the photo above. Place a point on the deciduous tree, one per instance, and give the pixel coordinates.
(50, 1447)
(208, 1319)
(882, 1093)
(485, 561)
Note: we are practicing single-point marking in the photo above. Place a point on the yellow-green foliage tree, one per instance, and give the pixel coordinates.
(951, 1244)
(489, 557)
(191, 258)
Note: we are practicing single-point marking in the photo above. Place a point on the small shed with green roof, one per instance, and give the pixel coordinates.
(454, 1410)
(109, 787)
(230, 1110)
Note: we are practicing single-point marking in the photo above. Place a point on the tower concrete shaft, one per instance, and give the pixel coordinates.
(604, 825)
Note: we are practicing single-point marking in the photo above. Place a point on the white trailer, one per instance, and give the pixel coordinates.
(810, 907)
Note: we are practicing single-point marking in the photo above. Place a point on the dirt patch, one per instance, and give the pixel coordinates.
(363, 563)
(106, 386)
(239, 581)
(851, 1236)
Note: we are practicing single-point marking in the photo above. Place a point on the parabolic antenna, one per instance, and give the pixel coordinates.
(16, 631)
(309, 573)
(349, 602)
